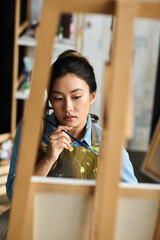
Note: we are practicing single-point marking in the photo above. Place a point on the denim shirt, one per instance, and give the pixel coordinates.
(127, 172)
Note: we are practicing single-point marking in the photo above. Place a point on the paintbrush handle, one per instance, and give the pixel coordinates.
(82, 143)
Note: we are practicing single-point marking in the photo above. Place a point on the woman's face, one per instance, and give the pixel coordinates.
(71, 100)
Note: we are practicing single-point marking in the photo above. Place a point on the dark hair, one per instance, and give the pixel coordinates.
(71, 61)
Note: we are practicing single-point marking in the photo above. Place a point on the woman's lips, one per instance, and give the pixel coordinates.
(69, 118)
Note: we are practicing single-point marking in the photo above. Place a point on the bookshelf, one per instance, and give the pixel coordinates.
(4, 167)
(23, 38)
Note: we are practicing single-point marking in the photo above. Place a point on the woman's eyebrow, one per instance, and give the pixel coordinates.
(72, 91)
(57, 92)
(76, 90)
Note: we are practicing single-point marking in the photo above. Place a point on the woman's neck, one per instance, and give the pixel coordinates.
(78, 132)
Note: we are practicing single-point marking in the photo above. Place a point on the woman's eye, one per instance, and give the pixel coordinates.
(76, 97)
(57, 99)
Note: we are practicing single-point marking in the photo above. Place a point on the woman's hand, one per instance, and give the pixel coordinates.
(58, 140)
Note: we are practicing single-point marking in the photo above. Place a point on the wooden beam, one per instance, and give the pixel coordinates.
(151, 162)
(89, 6)
(110, 160)
(147, 9)
(23, 27)
(157, 229)
(26, 161)
(15, 68)
(142, 190)
(77, 187)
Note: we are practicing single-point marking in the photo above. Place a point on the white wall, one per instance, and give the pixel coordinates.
(147, 39)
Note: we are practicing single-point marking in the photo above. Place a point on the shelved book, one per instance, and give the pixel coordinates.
(3, 162)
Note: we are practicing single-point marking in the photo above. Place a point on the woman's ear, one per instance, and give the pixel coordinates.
(93, 97)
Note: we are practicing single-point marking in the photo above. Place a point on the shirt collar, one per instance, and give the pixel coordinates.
(88, 135)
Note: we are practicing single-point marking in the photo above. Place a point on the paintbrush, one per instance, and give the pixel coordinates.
(77, 140)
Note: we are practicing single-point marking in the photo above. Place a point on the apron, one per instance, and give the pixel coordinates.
(77, 162)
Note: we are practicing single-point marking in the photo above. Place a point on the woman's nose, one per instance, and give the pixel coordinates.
(68, 105)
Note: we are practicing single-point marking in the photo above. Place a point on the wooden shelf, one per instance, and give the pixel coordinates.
(3, 179)
(4, 137)
(23, 36)
(28, 41)
(23, 26)
(22, 95)
(4, 169)
(2, 190)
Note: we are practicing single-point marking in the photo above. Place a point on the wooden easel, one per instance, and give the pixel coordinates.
(151, 164)
(107, 189)
(62, 209)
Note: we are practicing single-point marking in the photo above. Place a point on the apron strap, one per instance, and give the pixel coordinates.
(94, 136)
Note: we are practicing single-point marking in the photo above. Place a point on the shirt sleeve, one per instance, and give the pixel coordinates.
(127, 172)
(12, 170)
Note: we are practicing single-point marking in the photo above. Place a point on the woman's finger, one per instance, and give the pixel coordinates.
(56, 135)
(56, 142)
(60, 128)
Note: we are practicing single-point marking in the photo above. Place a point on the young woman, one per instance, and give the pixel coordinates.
(72, 91)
